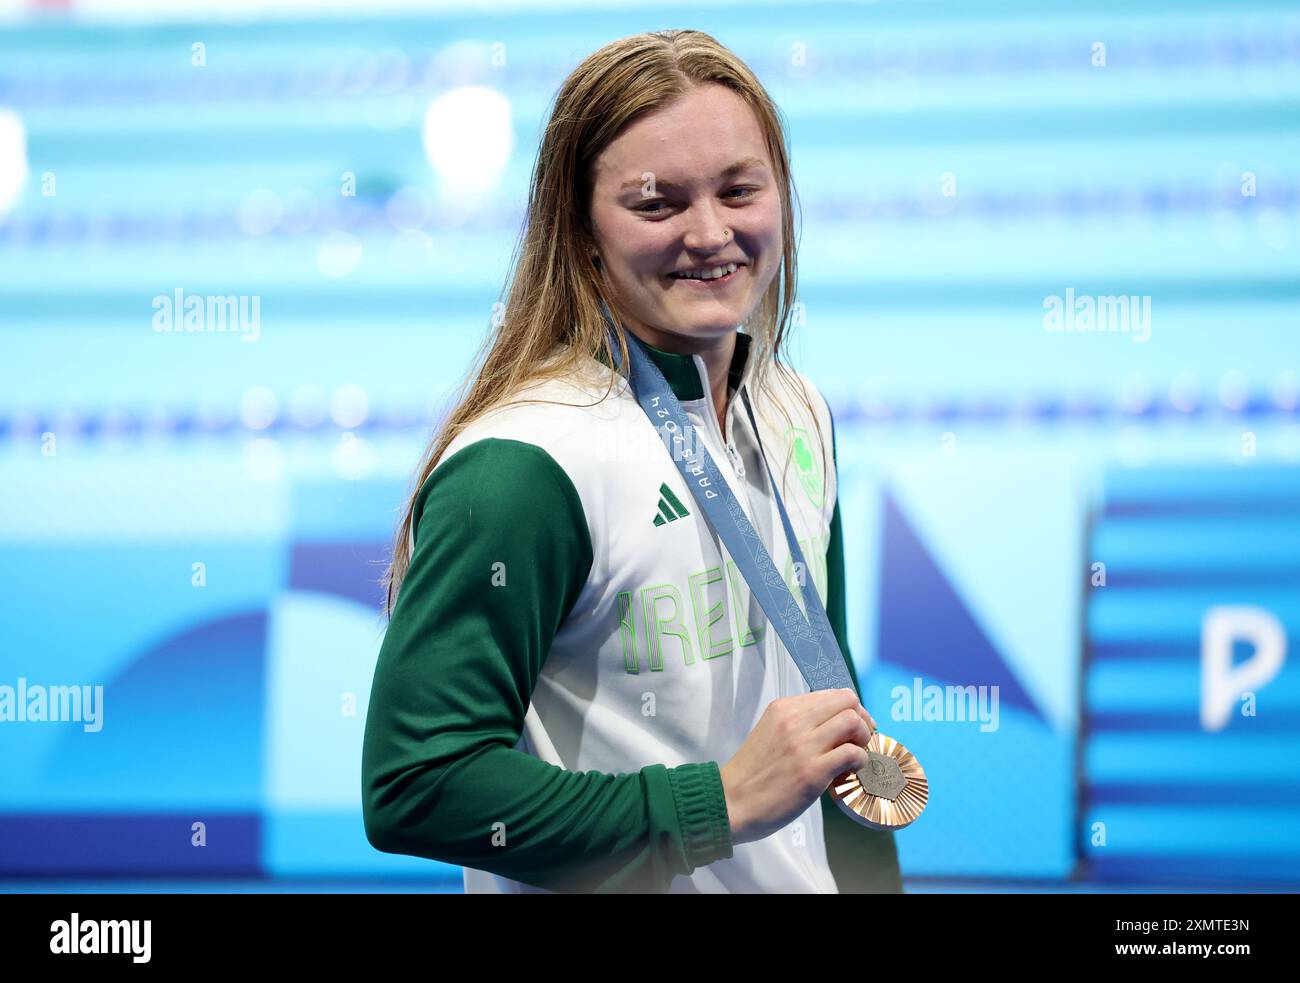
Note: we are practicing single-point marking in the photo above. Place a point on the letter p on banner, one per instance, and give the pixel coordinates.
(1222, 683)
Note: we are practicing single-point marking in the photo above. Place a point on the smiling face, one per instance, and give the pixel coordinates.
(688, 187)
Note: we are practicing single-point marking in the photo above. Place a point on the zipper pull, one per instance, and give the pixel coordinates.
(735, 461)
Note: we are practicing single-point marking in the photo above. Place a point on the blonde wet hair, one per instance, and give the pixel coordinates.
(551, 321)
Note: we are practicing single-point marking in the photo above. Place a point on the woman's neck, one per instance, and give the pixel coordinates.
(717, 353)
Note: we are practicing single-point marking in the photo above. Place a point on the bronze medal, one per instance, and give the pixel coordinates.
(889, 793)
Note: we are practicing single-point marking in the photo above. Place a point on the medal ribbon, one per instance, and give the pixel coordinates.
(810, 641)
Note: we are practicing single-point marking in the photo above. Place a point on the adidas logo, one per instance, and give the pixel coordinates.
(670, 506)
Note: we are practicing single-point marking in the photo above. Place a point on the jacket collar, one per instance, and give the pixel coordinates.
(683, 374)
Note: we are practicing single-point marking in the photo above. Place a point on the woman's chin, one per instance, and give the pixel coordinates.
(706, 330)
(707, 314)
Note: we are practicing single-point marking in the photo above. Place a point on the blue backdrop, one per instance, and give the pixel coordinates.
(1048, 284)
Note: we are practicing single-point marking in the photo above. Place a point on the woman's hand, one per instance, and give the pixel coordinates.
(800, 744)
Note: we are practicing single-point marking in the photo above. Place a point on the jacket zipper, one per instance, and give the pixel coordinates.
(738, 467)
(769, 643)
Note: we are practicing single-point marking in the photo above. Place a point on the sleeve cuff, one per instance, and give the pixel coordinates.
(702, 812)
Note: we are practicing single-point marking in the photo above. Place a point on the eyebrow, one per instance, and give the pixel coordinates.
(743, 164)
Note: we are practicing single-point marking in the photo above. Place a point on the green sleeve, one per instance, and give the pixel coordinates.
(863, 860)
(501, 553)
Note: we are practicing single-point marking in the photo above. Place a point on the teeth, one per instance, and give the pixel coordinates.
(708, 274)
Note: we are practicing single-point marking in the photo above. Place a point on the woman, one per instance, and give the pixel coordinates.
(576, 691)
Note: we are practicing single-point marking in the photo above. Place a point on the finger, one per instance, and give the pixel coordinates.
(829, 702)
(841, 760)
(869, 720)
(847, 726)
(822, 705)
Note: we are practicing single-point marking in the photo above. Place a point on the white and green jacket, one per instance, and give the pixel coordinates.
(572, 656)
